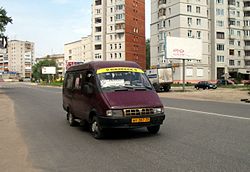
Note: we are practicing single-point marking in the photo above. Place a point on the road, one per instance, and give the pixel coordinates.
(196, 136)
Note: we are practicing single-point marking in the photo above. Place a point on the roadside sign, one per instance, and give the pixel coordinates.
(49, 70)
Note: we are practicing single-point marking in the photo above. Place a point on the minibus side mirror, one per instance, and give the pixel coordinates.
(88, 89)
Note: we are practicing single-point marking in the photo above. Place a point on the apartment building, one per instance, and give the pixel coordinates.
(21, 57)
(118, 30)
(223, 26)
(80, 51)
(180, 18)
(58, 58)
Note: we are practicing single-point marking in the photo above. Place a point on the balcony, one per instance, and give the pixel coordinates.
(119, 2)
(246, 27)
(119, 21)
(246, 8)
(247, 47)
(162, 4)
(247, 58)
(120, 28)
(247, 37)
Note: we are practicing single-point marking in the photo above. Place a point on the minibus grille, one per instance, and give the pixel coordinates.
(137, 112)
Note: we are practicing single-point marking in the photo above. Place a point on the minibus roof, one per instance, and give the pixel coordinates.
(103, 64)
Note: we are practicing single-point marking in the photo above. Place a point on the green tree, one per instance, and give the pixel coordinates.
(4, 20)
(37, 69)
(148, 54)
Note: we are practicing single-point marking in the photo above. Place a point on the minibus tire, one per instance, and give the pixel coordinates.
(95, 129)
(153, 129)
(71, 119)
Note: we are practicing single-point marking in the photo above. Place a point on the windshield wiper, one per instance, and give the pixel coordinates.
(121, 89)
(143, 87)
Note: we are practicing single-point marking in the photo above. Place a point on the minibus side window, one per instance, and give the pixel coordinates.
(69, 81)
(78, 81)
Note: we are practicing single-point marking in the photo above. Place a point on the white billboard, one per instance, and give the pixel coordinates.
(49, 70)
(184, 48)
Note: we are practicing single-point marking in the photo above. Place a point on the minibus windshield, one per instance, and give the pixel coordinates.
(123, 80)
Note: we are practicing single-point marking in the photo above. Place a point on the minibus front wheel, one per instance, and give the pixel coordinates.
(96, 129)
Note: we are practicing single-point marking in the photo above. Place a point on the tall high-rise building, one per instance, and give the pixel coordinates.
(223, 26)
(118, 30)
(21, 57)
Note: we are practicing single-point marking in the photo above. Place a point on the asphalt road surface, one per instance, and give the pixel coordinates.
(196, 136)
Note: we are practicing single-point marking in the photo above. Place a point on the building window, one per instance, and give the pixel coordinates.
(119, 16)
(198, 34)
(247, 53)
(231, 42)
(98, 56)
(220, 23)
(189, 21)
(238, 33)
(189, 33)
(231, 52)
(98, 38)
(98, 2)
(247, 43)
(220, 47)
(219, 1)
(220, 35)
(231, 62)
(98, 20)
(220, 59)
(247, 62)
(198, 22)
(98, 29)
(98, 47)
(198, 9)
(189, 8)
(219, 12)
(98, 11)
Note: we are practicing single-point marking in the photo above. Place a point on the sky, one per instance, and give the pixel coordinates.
(52, 23)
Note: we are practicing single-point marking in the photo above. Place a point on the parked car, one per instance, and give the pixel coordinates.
(205, 85)
(224, 82)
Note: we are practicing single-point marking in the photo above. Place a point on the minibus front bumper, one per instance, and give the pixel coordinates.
(131, 121)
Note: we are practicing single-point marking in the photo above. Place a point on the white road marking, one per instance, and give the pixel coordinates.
(208, 113)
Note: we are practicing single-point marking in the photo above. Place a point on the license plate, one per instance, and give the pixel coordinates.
(139, 120)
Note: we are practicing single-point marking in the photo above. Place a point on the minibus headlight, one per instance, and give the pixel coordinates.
(158, 110)
(114, 113)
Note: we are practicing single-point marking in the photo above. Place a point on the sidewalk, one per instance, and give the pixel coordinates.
(13, 151)
(219, 94)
